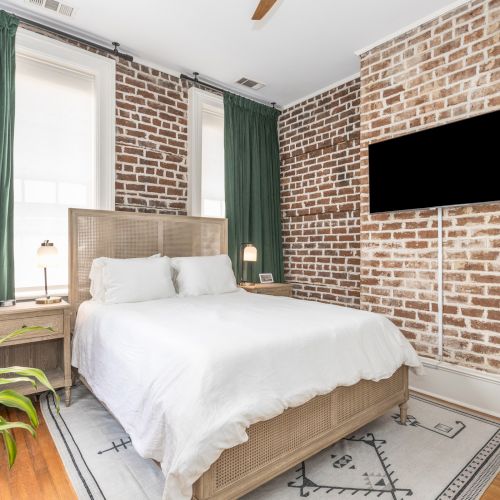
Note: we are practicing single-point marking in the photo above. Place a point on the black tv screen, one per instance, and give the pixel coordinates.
(453, 164)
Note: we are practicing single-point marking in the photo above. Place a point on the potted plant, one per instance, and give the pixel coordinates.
(13, 399)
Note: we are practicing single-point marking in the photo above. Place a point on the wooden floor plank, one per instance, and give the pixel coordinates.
(56, 473)
(40, 466)
(4, 484)
(493, 491)
(39, 473)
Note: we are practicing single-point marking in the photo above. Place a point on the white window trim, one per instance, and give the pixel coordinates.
(103, 69)
(198, 101)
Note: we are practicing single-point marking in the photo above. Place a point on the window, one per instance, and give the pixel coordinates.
(62, 141)
(206, 154)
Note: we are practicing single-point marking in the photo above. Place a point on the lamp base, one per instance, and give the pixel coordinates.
(48, 300)
(246, 283)
(7, 303)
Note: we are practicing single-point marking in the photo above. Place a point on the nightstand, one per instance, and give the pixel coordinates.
(49, 351)
(282, 289)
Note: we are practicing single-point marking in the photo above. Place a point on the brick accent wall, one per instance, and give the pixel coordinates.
(151, 140)
(319, 144)
(444, 70)
(151, 136)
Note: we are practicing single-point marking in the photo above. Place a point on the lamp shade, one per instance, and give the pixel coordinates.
(46, 254)
(250, 254)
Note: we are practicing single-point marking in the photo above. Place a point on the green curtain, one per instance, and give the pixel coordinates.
(8, 27)
(252, 184)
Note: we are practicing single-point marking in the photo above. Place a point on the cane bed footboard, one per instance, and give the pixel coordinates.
(278, 444)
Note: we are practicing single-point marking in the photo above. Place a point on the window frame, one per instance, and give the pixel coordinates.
(103, 70)
(198, 100)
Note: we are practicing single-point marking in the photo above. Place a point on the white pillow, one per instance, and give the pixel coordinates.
(204, 275)
(95, 275)
(137, 280)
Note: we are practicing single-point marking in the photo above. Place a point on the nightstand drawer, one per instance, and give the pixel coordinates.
(54, 321)
(284, 291)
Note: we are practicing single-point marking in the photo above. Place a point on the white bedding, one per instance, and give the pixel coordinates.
(186, 376)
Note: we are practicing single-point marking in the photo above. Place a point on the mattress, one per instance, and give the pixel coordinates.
(187, 376)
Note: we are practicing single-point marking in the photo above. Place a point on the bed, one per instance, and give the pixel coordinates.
(247, 452)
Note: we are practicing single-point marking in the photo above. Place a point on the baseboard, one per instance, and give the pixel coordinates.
(473, 389)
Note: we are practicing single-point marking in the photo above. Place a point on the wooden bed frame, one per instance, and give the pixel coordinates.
(274, 445)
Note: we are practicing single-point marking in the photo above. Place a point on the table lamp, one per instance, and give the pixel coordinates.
(47, 257)
(248, 253)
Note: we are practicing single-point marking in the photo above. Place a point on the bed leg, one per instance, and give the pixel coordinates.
(403, 412)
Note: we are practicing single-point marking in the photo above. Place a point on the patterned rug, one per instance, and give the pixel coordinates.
(440, 453)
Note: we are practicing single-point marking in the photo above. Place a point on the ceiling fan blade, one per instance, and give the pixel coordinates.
(262, 9)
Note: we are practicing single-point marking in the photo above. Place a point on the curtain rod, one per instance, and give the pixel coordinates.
(55, 31)
(195, 79)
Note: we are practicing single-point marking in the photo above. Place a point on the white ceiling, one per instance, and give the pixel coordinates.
(301, 47)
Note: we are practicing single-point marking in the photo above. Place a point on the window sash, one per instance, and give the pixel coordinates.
(200, 102)
(102, 71)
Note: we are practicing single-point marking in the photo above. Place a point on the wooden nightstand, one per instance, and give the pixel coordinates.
(282, 289)
(49, 351)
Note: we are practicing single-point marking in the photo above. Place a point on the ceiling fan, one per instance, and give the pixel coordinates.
(262, 9)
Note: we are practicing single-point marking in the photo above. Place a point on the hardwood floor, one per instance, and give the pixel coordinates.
(39, 473)
(493, 491)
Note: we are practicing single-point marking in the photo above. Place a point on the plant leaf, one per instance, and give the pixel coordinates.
(15, 380)
(35, 373)
(17, 425)
(10, 446)
(24, 330)
(29, 372)
(13, 399)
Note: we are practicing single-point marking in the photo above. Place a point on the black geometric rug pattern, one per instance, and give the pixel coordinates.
(350, 474)
(381, 483)
(449, 431)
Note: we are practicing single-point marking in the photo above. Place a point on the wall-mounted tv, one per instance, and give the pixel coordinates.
(453, 164)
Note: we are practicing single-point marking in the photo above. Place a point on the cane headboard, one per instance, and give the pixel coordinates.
(101, 233)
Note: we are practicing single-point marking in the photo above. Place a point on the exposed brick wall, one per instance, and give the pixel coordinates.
(151, 136)
(444, 70)
(151, 140)
(319, 144)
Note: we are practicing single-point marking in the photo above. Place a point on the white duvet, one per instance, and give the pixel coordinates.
(186, 376)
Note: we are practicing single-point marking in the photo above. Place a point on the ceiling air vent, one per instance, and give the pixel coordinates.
(251, 84)
(54, 6)
(51, 5)
(66, 10)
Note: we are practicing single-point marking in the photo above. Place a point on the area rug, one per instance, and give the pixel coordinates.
(440, 453)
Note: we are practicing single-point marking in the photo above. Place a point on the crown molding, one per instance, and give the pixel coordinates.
(320, 91)
(409, 27)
